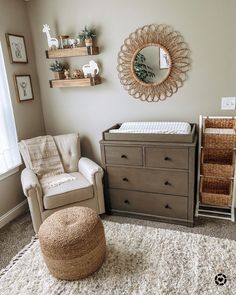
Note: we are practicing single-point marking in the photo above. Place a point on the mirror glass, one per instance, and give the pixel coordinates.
(152, 64)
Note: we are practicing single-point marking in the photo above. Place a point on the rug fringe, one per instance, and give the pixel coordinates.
(17, 257)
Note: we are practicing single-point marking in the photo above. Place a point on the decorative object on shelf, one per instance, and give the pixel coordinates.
(17, 48)
(52, 42)
(87, 35)
(216, 169)
(77, 74)
(167, 48)
(23, 87)
(64, 41)
(58, 69)
(73, 42)
(91, 69)
(67, 73)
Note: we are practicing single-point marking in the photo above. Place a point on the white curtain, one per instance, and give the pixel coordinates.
(9, 153)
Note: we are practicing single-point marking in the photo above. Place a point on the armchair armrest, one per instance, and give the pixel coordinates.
(30, 181)
(89, 168)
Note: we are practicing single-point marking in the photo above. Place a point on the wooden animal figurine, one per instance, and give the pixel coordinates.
(53, 43)
(67, 73)
(90, 69)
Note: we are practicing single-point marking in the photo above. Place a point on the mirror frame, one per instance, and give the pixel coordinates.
(154, 35)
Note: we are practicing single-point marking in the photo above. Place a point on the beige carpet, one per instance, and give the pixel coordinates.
(18, 233)
(140, 260)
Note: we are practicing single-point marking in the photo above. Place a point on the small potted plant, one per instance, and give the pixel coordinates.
(58, 69)
(87, 35)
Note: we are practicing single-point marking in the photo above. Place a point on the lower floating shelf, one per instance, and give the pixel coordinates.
(75, 82)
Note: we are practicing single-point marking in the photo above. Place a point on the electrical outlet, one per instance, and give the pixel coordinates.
(228, 103)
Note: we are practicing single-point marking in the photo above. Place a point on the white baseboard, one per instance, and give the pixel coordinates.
(13, 213)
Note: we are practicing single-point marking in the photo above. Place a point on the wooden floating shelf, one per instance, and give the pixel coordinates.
(75, 82)
(70, 52)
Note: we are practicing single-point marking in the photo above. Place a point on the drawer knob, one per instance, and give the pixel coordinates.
(167, 183)
(167, 159)
(125, 179)
(123, 156)
(167, 206)
(127, 202)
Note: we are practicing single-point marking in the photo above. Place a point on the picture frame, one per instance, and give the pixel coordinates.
(17, 48)
(163, 59)
(24, 88)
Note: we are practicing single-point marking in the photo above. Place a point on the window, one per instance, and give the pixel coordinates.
(9, 153)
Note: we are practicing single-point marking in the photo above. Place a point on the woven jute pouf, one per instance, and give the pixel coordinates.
(73, 243)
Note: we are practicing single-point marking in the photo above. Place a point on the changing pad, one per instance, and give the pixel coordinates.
(154, 127)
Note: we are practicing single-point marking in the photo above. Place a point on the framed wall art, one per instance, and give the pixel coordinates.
(17, 48)
(23, 87)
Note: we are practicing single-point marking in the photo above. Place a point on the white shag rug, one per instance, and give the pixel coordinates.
(140, 260)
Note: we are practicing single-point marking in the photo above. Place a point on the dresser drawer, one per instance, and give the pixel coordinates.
(149, 180)
(122, 155)
(166, 157)
(148, 203)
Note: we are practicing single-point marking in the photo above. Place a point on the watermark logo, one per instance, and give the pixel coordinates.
(220, 279)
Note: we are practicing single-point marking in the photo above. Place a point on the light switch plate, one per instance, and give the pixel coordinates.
(228, 103)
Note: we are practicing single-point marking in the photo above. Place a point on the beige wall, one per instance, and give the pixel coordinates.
(28, 115)
(207, 25)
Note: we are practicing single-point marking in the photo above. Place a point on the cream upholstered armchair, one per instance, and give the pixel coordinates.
(84, 189)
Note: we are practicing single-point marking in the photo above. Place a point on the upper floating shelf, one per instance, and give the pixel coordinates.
(69, 52)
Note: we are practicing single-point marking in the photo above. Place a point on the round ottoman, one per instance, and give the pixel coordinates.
(73, 243)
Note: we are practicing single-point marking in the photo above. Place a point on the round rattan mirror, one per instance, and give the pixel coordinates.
(153, 62)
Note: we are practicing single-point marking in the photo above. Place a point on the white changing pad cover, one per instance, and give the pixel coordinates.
(154, 127)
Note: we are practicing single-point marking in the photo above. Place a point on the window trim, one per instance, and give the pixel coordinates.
(9, 172)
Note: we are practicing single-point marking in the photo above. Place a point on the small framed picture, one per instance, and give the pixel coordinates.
(164, 59)
(17, 48)
(24, 87)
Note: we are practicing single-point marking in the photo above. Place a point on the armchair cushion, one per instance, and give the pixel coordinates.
(68, 146)
(67, 193)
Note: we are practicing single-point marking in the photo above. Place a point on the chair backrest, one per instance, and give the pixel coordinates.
(68, 146)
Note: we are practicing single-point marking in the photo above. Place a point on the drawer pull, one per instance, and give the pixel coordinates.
(167, 206)
(167, 159)
(125, 179)
(127, 202)
(167, 183)
(124, 157)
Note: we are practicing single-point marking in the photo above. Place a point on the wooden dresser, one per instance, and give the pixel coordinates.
(150, 175)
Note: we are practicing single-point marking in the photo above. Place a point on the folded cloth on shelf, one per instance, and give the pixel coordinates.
(220, 130)
(154, 127)
(42, 156)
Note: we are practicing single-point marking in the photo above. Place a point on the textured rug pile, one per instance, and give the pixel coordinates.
(140, 260)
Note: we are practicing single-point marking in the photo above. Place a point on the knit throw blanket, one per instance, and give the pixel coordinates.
(43, 156)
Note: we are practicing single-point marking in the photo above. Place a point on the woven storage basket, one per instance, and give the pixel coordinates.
(214, 191)
(216, 162)
(219, 141)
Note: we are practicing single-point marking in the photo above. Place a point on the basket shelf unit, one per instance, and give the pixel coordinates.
(216, 167)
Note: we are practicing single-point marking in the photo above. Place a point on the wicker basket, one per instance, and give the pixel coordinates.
(220, 141)
(215, 191)
(217, 162)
